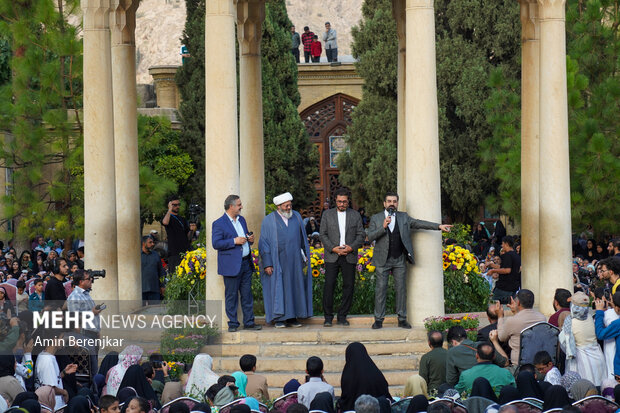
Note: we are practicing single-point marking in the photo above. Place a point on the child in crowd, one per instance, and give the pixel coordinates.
(21, 297)
(544, 365)
(138, 405)
(315, 384)
(316, 49)
(35, 301)
(109, 404)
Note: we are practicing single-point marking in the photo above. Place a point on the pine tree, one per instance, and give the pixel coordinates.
(290, 159)
(39, 113)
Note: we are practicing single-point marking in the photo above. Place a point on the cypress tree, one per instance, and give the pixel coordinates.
(290, 159)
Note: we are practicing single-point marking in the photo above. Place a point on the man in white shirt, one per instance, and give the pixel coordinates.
(315, 385)
(342, 234)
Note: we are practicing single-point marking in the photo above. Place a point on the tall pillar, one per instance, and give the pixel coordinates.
(555, 207)
(250, 16)
(222, 146)
(422, 188)
(530, 145)
(398, 11)
(99, 176)
(123, 25)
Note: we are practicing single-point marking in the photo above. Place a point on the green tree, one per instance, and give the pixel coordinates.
(164, 166)
(290, 159)
(473, 38)
(593, 48)
(369, 169)
(191, 80)
(40, 118)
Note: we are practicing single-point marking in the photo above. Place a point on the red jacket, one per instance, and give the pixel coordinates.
(316, 49)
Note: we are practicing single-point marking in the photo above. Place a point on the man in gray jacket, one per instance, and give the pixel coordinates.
(392, 232)
(342, 234)
(330, 43)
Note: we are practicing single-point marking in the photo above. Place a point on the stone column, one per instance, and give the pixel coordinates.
(123, 25)
(166, 87)
(422, 187)
(398, 11)
(99, 175)
(250, 15)
(530, 142)
(221, 138)
(555, 207)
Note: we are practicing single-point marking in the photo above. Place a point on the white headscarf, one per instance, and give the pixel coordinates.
(201, 377)
(129, 356)
(4, 406)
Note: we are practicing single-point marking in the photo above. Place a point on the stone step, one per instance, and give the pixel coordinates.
(279, 379)
(296, 350)
(319, 334)
(267, 365)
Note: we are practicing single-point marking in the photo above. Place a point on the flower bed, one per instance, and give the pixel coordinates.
(469, 322)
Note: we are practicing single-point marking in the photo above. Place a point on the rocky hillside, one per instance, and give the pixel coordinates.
(160, 26)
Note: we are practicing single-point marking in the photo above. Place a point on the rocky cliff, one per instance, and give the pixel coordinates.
(160, 25)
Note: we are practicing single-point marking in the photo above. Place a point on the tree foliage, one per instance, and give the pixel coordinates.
(164, 166)
(593, 86)
(472, 39)
(40, 118)
(369, 169)
(290, 159)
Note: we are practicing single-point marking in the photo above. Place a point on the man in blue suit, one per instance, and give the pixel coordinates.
(232, 240)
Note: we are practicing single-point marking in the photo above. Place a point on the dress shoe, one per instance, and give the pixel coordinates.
(280, 324)
(343, 323)
(253, 327)
(327, 323)
(377, 325)
(293, 323)
(404, 324)
(232, 329)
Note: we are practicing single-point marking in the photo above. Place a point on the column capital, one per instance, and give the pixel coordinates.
(399, 14)
(123, 22)
(552, 9)
(96, 14)
(250, 17)
(221, 7)
(420, 4)
(530, 27)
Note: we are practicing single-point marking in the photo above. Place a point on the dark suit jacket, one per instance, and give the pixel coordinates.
(483, 333)
(330, 234)
(223, 236)
(405, 223)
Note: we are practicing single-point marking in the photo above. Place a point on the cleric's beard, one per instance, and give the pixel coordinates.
(287, 214)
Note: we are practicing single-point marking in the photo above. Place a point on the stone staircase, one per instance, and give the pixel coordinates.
(282, 353)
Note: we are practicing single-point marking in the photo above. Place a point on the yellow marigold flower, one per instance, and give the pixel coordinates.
(371, 268)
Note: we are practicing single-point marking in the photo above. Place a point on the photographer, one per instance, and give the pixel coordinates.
(9, 334)
(177, 229)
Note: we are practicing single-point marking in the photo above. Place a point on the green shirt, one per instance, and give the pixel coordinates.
(498, 377)
(433, 367)
(463, 357)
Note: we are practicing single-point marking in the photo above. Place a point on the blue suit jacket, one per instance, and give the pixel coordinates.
(223, 236)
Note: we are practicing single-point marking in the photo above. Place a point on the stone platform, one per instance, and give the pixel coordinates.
(282, 353)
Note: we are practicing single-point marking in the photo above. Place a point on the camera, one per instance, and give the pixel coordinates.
(249, 234)
(195, 210)
(96, 274)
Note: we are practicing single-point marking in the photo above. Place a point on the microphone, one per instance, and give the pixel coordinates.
(391, 210)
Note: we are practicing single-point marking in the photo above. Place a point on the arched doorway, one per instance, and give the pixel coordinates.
(326, 123)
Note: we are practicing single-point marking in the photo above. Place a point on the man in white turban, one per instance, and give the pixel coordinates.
(286, 273)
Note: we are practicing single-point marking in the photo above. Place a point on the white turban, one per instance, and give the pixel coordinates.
(282, 198)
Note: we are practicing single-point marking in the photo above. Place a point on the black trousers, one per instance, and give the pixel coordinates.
(307, 56)
(296, 54)
(348, 282)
